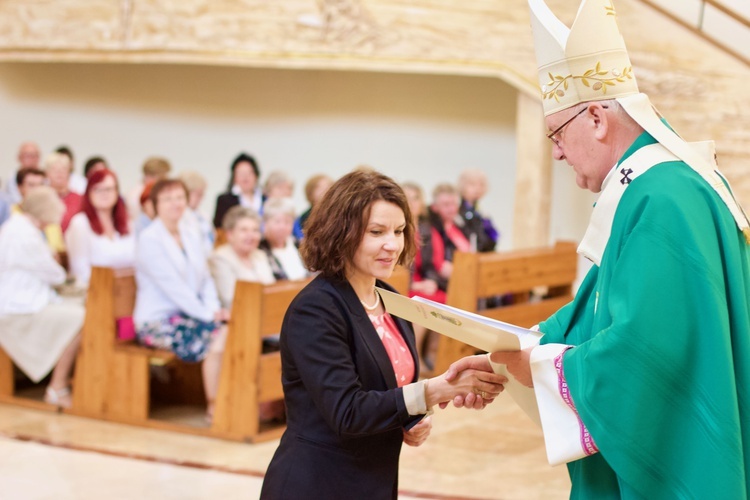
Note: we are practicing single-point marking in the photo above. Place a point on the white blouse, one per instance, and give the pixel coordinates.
(226, 268)
(290, 260)
(27, 269)
(87, 249)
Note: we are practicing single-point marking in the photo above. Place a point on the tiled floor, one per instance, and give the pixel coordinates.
(493, 454)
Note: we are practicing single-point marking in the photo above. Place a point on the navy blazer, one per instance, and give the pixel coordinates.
(345, 411)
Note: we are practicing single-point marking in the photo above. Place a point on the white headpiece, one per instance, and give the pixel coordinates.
(589, 62)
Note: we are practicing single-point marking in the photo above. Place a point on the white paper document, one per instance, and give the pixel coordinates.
(478, 331)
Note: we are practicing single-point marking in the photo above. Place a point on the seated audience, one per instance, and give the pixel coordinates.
(196, 186)
(28, 157)
(239, 258)
(425, 281)
(176, 305)
(58, 168)
(278, 185)
(242, 190)
(472, 185)
(99, 235)
(278, 242)
(93, 164)
(38, 329)
(154, 169)
(315, 188)
(27, 181)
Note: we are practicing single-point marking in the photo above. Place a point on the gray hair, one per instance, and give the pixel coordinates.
(237, 213)
(278, 206)
(193, 180)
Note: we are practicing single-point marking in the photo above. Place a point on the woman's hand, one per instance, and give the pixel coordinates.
(425, 286)
(481, 383)
(221, 316)
(419, 433)
(446, 269)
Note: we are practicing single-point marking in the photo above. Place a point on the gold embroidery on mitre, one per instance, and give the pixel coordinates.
(746, 232)
(610, 9)
(600, 78)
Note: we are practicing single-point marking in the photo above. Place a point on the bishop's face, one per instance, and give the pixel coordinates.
(577, 143)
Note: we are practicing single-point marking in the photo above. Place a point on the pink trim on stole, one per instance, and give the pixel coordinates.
(587, 442)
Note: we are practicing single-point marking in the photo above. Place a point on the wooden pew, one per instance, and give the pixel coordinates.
(112, 379)
(519, 273)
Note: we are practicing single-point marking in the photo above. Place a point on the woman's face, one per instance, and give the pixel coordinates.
(244, 237)
(446, 206)
(104, 195)
(278, 228)
(473, 189)
(414, 198)
(171, 204)
(195, 198)
(281, 190)
(244, 177)
(382, 243)
(58, 175)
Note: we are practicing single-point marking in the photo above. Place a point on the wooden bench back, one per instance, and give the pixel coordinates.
(536, 282)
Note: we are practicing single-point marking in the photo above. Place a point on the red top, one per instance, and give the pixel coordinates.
(73, 203)
(395, 346)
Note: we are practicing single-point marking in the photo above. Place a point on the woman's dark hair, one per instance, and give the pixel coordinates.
(337, 224)
(119, 211)
(91, 162)
(242, 158)
(163, 185)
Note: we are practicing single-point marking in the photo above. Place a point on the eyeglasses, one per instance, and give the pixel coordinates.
(558, 130)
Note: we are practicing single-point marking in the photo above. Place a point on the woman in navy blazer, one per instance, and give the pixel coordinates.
(349, 369)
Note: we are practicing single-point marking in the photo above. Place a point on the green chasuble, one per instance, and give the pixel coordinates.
(660, 371)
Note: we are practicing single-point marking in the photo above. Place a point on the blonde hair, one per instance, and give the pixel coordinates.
(193, 180)
(44, 204)
(57, 159)
(275, 178)
(156, 166)
(278, 206)
(312, 184)
(444, 188)
(471, 173)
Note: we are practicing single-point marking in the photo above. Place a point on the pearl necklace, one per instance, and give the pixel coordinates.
(375, 305)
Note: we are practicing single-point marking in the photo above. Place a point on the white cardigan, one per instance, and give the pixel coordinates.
(86, 249)
(227, 268)
(27, 268)
(170, 280)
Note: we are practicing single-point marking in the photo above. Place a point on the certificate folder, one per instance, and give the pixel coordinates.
(478, 331)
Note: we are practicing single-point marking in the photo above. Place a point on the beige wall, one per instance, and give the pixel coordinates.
(412, 127)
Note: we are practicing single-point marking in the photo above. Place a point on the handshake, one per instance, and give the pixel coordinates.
(471, 382)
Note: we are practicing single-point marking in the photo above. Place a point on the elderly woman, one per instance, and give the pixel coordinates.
(176, 305)
(349, 369)
(38, 329)
(315, 187)
(278, 185)
(278, 242)
(100, 234)
(239, 258)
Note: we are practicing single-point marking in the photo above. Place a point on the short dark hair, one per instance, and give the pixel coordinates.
(243, 158)
(163, 185)
(25, 172)
(91, 162)
(65, 150)
(337, 224)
